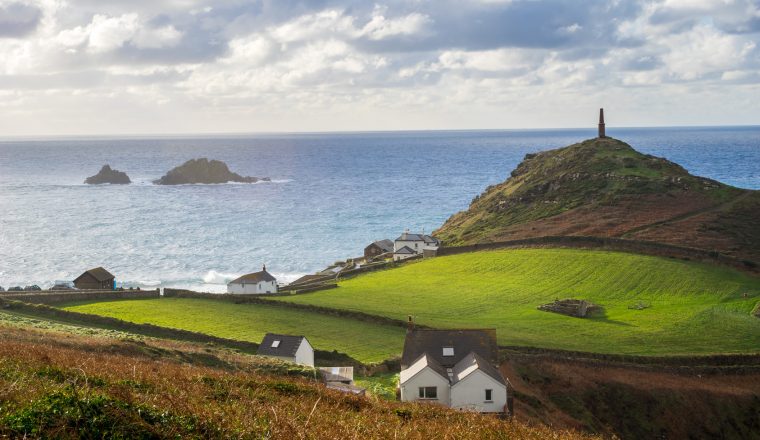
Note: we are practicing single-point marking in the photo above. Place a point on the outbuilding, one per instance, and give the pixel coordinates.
(296, 349)
(254, 283)
(377, 248)
(96, 279)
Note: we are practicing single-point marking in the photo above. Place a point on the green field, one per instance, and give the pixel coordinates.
(695, 308)
(364, 341)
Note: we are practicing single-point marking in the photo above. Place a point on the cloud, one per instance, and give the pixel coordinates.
(296, 64)
(18, 19)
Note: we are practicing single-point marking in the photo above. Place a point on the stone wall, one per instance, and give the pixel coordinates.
(62, 296)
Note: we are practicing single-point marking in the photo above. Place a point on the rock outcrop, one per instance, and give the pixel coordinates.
(204, 171)
(108, 175)
(572, 307)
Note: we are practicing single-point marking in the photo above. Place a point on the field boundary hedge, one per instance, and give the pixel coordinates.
(608, 243)
(260, 299)
(60, 296)
(735, 363)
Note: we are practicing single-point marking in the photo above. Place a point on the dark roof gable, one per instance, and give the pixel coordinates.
(286, 348)
(480, 341)
(384, 245)
(98, 274)
(254, 278)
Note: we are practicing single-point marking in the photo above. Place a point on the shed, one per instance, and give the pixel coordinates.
(95, 279)
(377, 248)
(296, 349)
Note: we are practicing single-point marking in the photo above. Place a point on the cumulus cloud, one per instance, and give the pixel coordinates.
(18, 19)
(350, 64)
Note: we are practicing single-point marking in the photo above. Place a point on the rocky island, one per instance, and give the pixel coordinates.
(204, 171)
(108, 175)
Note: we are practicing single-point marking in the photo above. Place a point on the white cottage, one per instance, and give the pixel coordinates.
(254, 283)
(416, 243)
(296, 349)
(454, 368)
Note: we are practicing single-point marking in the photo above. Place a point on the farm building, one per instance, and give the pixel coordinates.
(378, 248)
(296, 349)
(454, 368)
(254, 283)
(416, 242)
(97, 278)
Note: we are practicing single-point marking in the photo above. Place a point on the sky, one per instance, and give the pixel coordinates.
(95, 67)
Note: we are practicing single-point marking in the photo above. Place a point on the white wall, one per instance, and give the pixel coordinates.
(305, 354)
(253, 288)
(470, 393)
(426, 378)
(399, 257)
(399, 244)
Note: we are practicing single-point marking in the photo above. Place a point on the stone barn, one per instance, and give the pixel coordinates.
(96, 279)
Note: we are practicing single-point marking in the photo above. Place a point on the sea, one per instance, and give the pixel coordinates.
(331, 194)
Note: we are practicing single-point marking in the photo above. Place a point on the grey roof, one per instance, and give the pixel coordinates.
(385, 245)
(98, 273)
(424, 360)
(254, 278)
(405, 250)
(287, 348)
(464, 341)
(407, 236)
(471, 363)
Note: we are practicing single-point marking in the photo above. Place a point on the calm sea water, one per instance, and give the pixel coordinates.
(331, 195)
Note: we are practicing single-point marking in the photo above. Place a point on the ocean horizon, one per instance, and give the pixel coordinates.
(331, 194)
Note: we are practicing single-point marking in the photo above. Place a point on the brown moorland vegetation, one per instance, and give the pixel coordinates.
(62, 385)
(605, 188)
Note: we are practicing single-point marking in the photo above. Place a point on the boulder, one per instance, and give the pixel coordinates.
(204, 171)
(108, 175)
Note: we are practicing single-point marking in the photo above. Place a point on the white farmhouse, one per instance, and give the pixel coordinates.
(454, 368)
(416, 243)
(296, 349)
(254, 283)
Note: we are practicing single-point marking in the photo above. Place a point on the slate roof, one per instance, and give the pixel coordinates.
(472, 363)
(405, 250)
(407, 236)
(98, 273)
(288, 345)
(385, 245)
(254, 278)
(463, 341)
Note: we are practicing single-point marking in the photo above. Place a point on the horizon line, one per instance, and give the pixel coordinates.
(32, 137)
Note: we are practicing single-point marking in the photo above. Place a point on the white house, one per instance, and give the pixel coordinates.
(296, 349)
(417, 243)
(454, 368)
(254, 283)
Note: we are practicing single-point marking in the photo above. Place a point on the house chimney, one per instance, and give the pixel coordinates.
(264, 268)
(601, 124)
(409, 324)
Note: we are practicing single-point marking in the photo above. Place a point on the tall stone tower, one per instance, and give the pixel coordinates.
(601, 123)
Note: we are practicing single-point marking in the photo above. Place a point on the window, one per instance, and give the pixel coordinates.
(448, 351)
(275, 343)
(489, 395)
(428, 392)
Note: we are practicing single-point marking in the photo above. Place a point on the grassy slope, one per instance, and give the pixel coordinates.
(695, 308)
(249, 322)
(68, 386)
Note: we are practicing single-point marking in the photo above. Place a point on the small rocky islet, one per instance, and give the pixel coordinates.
(204, 171)
(108, 175)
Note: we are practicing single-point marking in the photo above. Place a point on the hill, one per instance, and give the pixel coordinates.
(58, 384)
(603, 187)
(691, 308)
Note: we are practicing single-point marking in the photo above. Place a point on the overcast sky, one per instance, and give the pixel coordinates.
(186, 66)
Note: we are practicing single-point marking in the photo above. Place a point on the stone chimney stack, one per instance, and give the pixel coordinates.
(601, 124)
(409, 324)
(264, 268)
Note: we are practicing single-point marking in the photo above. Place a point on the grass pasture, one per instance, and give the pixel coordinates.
(364, 341)
(694, 308)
